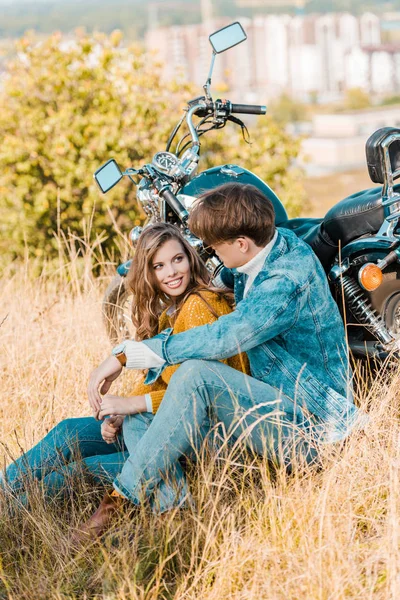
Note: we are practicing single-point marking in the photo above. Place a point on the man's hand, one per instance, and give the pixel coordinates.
(110, 428)
(117, 405)
(103, 376)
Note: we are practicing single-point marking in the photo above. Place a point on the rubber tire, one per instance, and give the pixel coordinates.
(387, 296)
(392, 308)
(115, 317)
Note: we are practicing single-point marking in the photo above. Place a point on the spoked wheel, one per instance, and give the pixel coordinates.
(392, 313)
(385, 302)
(117, 310)
(386, 299)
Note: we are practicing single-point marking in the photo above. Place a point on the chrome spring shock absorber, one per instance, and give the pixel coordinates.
(361, 308)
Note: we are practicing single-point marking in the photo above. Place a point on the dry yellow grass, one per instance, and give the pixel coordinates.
(327, 535)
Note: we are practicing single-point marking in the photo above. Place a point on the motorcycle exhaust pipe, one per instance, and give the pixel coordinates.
(370, 350)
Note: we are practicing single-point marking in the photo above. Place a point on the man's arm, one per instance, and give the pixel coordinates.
(270, 309)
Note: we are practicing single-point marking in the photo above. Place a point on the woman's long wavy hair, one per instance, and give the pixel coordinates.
(148, 300)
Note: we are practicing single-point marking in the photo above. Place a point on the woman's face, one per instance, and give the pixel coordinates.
(172, 269)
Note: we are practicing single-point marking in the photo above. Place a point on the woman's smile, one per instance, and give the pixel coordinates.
(172, 268)
(175, 283)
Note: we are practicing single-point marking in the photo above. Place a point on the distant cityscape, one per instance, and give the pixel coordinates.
(309, 57)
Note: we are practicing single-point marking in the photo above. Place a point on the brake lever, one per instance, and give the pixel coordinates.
(201, 112)
(196, 100)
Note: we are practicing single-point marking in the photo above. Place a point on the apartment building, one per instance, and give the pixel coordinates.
(309, 55)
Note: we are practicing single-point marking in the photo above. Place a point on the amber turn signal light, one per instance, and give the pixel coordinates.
(370, 277)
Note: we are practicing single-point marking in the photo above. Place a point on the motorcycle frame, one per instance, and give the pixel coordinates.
(390, 200)
(380, 244)
(385, 238)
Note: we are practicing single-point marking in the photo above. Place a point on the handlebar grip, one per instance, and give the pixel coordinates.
(175, 204)
(249, 109)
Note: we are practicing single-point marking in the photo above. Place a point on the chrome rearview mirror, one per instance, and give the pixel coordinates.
(222, 40)
(227, 37)
(108, 175)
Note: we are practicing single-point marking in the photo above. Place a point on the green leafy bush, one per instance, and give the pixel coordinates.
(67, 106)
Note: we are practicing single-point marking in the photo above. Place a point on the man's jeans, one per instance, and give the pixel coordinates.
(268, 422)
(75, 447)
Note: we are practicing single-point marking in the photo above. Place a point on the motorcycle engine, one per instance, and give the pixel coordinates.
(148, 197)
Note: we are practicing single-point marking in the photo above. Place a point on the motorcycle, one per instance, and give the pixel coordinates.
(357, 242)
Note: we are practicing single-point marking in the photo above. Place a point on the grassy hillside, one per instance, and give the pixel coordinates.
(331, 534)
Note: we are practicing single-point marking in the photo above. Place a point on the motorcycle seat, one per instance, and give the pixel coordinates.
(357, 215)
(311, 231)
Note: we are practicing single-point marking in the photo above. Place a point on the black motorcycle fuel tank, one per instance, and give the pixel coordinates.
(216, 176)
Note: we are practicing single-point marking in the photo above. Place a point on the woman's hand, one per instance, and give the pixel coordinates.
(110, 428)
(117, 405)
(103, 376)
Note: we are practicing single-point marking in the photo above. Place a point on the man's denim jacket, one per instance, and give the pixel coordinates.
(292, 331)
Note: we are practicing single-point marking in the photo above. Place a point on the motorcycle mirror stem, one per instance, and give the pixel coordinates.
(207, 85)
(222, 40)
(109, 174)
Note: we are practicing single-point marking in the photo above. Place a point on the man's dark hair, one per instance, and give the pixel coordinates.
(233, 210)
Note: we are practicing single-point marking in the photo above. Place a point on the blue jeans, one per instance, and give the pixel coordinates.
(268, 422)
(72, 446)
(75, 446)
(171, 490)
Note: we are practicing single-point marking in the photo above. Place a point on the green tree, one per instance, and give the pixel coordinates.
(390, 100)
(357, 99)
(288, 110)
(67, 106)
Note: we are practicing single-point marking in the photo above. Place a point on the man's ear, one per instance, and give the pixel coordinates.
(242, 244)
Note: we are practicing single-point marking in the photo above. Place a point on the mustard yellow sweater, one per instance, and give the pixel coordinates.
(193, 313)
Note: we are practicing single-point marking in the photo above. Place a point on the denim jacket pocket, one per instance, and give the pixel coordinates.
(339, 413)
(267, 362)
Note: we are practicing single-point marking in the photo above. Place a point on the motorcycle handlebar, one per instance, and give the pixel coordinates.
(175, 204)
(249, 109)
(201, 109)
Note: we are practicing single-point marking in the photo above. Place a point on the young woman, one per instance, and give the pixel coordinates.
(171, 289)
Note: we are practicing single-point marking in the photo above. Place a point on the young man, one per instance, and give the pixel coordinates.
(286, 320)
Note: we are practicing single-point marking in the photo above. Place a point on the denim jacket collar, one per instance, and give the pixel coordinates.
(279, 248)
